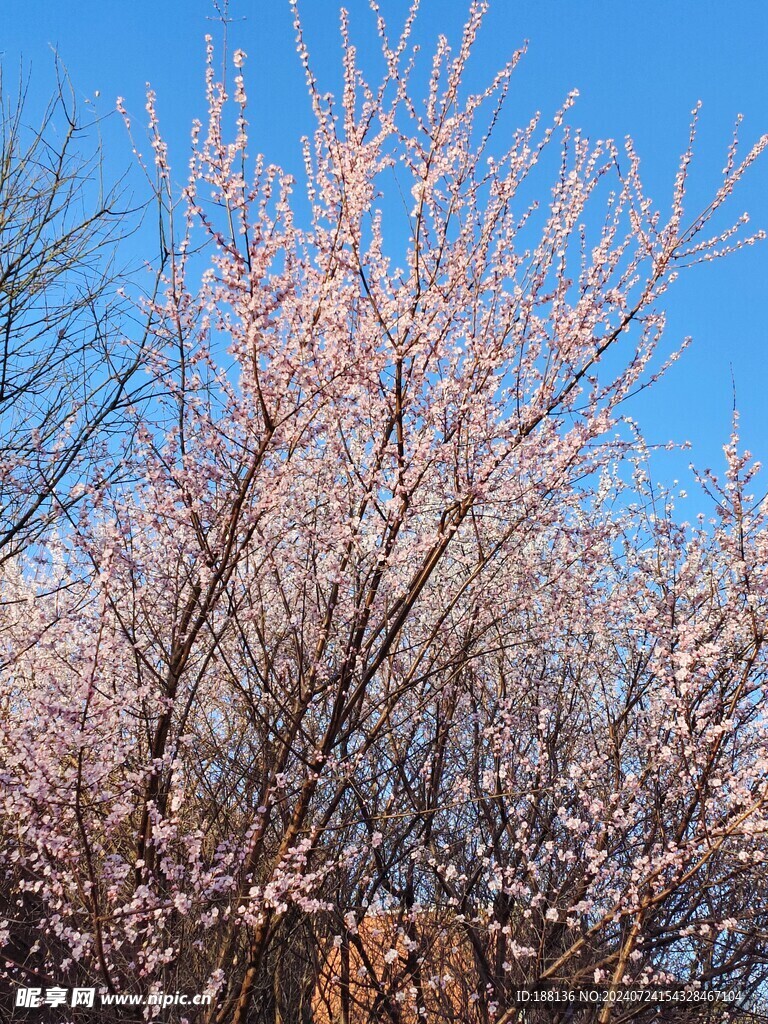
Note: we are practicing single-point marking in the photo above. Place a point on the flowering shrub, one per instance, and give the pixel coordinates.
(384, 620)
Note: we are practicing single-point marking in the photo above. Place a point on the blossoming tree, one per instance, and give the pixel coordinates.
(384, 684)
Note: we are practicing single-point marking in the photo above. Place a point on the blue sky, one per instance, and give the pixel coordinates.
(640, 65)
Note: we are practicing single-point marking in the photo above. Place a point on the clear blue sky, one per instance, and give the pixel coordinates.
(639, 66)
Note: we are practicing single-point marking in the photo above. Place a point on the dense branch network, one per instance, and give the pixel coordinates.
(379, 682)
